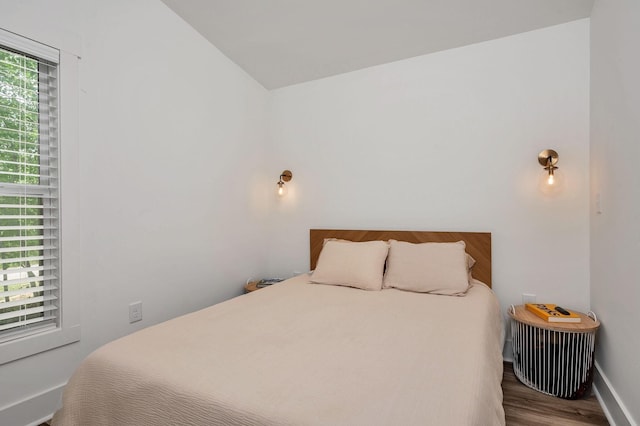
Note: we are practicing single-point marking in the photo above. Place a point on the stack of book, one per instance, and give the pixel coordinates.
(268, 281)
(552, 313)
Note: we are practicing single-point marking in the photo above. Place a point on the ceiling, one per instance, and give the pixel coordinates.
(284, 42)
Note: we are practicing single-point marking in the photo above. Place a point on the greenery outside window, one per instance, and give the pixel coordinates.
(29, 224)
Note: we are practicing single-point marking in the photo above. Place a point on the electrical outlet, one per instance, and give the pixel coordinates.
(135, 312)
(528, 298)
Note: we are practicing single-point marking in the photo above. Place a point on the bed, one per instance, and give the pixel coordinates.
(299, 353)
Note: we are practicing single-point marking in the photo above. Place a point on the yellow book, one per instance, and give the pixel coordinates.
(548, 312)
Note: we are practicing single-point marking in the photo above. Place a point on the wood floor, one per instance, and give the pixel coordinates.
(526, 407)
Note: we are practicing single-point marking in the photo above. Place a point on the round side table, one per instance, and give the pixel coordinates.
(555, 358)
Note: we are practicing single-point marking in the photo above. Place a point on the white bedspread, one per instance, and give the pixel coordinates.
(302, 354)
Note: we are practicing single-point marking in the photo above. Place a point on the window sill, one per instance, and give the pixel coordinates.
(37, 343)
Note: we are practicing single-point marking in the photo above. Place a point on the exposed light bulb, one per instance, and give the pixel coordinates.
(282, 189)
(550, 182)
(285, 176)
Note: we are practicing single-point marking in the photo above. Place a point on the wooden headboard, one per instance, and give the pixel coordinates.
(478, 244)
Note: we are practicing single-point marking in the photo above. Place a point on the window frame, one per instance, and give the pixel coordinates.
(67, 329)
(29, 195)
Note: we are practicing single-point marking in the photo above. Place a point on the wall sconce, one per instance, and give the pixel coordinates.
(285, 176)
(548, 159)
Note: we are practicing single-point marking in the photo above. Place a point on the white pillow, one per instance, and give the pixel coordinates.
(439, 268)
(351, 264)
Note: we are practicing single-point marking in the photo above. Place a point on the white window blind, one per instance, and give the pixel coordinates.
(29, 227)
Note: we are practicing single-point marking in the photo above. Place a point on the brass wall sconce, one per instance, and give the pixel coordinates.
(285, 176)
(548, 159)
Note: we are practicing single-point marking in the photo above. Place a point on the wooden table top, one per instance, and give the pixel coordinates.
(251, 286)
(586, 325)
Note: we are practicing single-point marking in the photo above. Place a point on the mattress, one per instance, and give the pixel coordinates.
(302, 354)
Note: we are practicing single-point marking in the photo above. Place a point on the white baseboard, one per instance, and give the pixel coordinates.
(33, 410)
(616, 412)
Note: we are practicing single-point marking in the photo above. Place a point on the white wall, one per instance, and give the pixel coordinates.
(448, 141)
(615, 233)
(171, 178)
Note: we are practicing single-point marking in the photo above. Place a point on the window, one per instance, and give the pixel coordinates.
(29, 225)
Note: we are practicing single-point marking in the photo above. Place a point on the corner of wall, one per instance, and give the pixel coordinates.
(615, 410)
